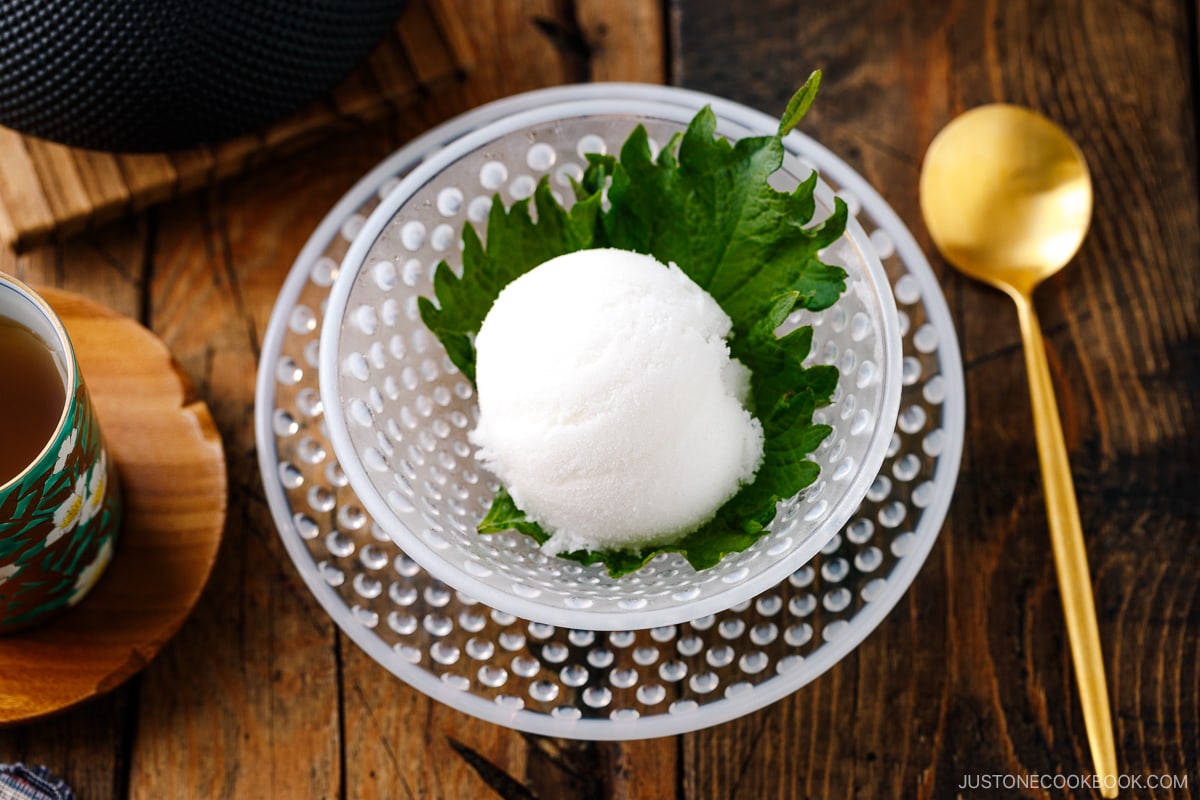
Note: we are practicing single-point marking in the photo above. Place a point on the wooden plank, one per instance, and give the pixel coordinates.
(299, 130)
(173, 484)
(609, 26)
(356, 95)
(232, 156)
(26, 210)
(424, 46)
(971, 674)
(82, 747)
(387, 743)
(105, 265)
(430, 54)
(646, 769)
(59, 176)
(390, 66)
(102, 180)
(150, 177)
(377, 706)
(193, 168)
(510, 56)
(455, 35)
(88, 746)
(260, 657)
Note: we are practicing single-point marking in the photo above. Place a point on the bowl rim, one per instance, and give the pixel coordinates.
(538, 107)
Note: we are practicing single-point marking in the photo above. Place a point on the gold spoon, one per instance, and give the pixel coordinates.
(1007, 198)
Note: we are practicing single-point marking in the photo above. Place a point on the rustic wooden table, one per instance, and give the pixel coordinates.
(260, 695)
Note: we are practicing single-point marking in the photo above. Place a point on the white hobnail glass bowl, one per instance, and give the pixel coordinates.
(398, 412)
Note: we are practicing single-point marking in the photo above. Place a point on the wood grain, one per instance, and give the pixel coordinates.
(168, 454)
(260, 695)
(27, 206)
(390, 727)
(980, 666)
(90, 747)
(51, 191)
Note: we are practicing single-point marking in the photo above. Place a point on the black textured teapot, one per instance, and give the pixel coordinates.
(152, 75)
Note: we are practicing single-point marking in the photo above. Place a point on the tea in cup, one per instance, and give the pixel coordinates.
(60, 502)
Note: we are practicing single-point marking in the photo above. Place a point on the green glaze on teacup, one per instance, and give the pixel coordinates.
(60, 517)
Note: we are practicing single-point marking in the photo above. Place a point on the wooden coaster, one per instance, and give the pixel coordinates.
(172, 469)
(49, 191)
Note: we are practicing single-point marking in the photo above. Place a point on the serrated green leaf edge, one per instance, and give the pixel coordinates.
(784, 407)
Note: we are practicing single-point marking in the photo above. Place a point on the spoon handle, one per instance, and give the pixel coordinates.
(1070, 556)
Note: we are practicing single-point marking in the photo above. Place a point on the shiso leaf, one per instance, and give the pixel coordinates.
(706, 205)
(711, 212)
(516, 244)
(504, 515)
(798, 106)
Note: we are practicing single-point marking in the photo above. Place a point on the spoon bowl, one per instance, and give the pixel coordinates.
(1007, 197)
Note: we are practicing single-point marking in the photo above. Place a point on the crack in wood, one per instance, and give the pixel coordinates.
(340, 671)
(503, 784)
(146, 289)
(748, 759)
(1049, 332)
(558, 756)
(569, 40)
(229, 268)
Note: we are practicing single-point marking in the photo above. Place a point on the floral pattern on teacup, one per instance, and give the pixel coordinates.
(65, 451)
(91, 573)
(59, 522)
(68, 514)
(96, 486)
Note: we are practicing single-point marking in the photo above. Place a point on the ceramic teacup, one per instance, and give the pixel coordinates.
(60, 515)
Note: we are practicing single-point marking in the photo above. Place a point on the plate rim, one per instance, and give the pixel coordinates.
(534, 108)
(863, 623)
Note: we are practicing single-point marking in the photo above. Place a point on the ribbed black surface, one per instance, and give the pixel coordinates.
(147, 75)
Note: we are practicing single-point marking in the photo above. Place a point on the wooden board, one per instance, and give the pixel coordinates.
(172, 467)
(50, 191)
(971, 674)
(261, 695)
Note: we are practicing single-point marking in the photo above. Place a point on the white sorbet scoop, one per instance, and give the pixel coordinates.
(610, 407)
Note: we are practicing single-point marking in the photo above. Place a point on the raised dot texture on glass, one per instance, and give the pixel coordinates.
(647, 675)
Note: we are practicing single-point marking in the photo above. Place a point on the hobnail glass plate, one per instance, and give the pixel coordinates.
(398, 411)
(579, 683)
